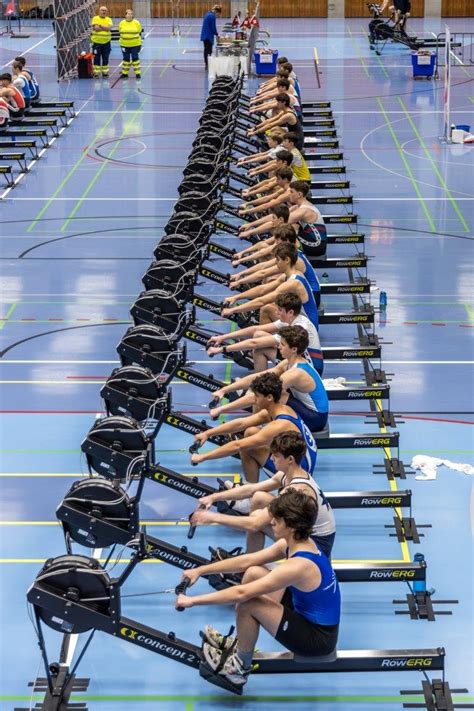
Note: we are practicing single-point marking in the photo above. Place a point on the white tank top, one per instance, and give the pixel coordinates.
(325, 523)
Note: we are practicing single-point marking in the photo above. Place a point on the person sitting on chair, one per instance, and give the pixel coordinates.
(298, 603)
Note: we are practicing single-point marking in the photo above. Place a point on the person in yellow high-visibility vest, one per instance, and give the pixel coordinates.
(101, 35)
(131, 43)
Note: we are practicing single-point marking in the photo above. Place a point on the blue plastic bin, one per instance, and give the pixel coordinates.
(423, 64)
(265, 63)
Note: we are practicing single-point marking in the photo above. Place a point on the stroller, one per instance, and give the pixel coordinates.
(380, 30)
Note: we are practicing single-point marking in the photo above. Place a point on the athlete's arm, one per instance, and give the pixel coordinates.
(281, 577)
(238, 425)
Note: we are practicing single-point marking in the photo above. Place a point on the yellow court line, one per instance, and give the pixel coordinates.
(8, 561)
(316, 56)
(393, 487)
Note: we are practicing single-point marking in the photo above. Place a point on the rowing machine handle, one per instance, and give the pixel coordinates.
(192, 529)
(195, 447)
(181, 588)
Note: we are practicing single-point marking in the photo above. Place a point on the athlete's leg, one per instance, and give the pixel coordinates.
(256, 539)
(253, 460)
(268, 314)
(251, 614)
(262, 357)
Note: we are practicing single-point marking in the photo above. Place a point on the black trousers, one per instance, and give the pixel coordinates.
(207, 50)
(101, 54)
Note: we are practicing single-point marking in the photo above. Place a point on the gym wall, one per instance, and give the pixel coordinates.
(457, 8)
(358, 8)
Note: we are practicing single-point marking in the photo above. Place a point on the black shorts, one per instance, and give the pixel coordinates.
(301, 636)
(403, 6)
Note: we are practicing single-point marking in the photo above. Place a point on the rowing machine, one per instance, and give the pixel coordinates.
(97, 513)
(73, 594)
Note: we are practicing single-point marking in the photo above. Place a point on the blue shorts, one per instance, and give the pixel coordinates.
(315, 421)
(325, 543)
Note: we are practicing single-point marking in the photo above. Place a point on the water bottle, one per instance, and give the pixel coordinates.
(325, 277)
(419, 586)
(383, 301)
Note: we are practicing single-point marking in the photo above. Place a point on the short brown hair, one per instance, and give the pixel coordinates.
(285, 250)
(289, 301)
(298, 510)
(285, 233)
(289, 444)
(284, 173)
(300, 186)
(283, 99)
(296, 337)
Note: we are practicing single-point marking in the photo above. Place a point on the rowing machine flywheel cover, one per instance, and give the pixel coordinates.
(75, 578)
(101, 500)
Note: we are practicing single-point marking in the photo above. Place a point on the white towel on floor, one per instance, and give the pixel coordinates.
(429, 466)
(334, 383)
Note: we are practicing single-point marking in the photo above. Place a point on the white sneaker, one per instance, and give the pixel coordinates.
(242, 506)
(232, 669)
(215, 639)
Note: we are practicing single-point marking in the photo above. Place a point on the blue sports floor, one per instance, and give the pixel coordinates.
(77, 233)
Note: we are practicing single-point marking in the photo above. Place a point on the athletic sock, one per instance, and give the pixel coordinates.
(245, 658)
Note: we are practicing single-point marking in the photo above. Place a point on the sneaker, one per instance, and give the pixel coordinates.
(242, 506)
(221, 553)
(232, 668)
(138, 76)
(217, 640)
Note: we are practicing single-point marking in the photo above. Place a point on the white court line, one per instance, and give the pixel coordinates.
(30, 49)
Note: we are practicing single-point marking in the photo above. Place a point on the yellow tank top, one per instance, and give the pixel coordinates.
(103, 36)
(300, 172)
(130, 33)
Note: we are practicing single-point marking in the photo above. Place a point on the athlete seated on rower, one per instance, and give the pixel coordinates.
(287, 451)
(298, 165)
(269, 187)
(284, 116)
(263, 297)
(4, 115)
(12, 95)
(275, 191)
(266, 268)
(282, 159)
(270, 419)
(297, 602)
(274, 141)
(266, 100)
(264, 341)
(262, 251)
(21, 83)
(305, 391)
(34, 86)
(312, 232)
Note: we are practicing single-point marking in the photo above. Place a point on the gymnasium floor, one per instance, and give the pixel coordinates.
(76, 236)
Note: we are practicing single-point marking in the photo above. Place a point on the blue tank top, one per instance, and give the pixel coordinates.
(34, 86)
(309, 272)
(310, 310)
(317, 398)
(323, 605)
(309, 461)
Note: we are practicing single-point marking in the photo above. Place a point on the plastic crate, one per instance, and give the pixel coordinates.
(266, 63)
(423, 64)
